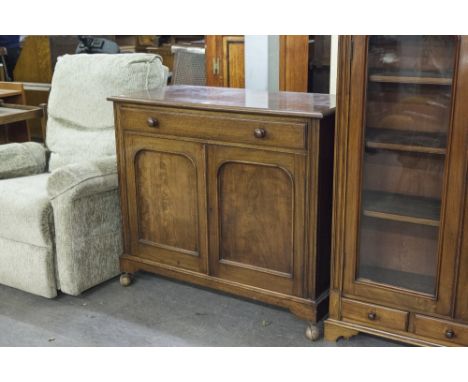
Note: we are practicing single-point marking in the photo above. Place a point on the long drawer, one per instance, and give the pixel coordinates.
(441, 330)
(374, 315)
(276, 133)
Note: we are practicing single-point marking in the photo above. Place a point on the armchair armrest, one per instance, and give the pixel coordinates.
(22, 159)
(87, 219)
(84, 178)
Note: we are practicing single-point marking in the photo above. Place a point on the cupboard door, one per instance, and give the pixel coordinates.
(256, 221)
(400, 155)
(166, 201)
(225, 61)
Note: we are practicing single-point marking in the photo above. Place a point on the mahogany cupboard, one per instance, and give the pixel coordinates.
(229, 189)
(400, 237)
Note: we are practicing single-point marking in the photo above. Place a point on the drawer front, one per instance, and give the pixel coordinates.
(374, 315)
(209, 126)
(441, 330)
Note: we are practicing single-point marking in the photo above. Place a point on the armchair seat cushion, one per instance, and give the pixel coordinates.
(25, 210)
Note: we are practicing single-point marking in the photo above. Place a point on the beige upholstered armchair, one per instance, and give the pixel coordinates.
(59, 206)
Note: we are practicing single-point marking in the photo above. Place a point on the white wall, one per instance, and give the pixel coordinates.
(333, 63)
(262, 62)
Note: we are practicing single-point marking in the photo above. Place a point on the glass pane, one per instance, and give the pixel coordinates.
(408, 107)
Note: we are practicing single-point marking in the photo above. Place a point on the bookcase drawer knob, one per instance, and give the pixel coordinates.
(152, 122)
(259, 133)
(372, 316)
(449, 333)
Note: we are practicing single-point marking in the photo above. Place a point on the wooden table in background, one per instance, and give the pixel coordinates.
(13, 93)
(13, 116)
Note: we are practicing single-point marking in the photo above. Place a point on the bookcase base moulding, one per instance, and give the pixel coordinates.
(400, 208)
(229, 189)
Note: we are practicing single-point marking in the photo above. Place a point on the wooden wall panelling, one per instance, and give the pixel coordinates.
(294, 63)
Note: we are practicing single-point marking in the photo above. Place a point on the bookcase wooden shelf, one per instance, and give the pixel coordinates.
(410, 79)
(400, 207)
(407, 280)
(402, 140)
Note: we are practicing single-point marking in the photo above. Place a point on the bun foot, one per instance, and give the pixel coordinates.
(312, 332)
(125, 279)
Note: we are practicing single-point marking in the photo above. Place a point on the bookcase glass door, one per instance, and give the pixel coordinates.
(407, 120)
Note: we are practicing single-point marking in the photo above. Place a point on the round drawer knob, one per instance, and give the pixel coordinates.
(259, 133)
(449, 333)
(152, 122)
(372, 316)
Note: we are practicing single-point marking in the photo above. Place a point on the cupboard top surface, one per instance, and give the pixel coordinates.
(241, 100)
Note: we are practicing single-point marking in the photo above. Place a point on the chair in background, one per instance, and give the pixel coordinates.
(189, 66)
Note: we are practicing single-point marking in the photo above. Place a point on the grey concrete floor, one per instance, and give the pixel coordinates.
(153, 311)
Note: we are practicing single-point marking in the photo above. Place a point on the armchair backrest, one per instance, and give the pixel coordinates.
(80, 123)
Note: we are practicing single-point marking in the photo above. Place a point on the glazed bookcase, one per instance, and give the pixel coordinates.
(400, 252)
